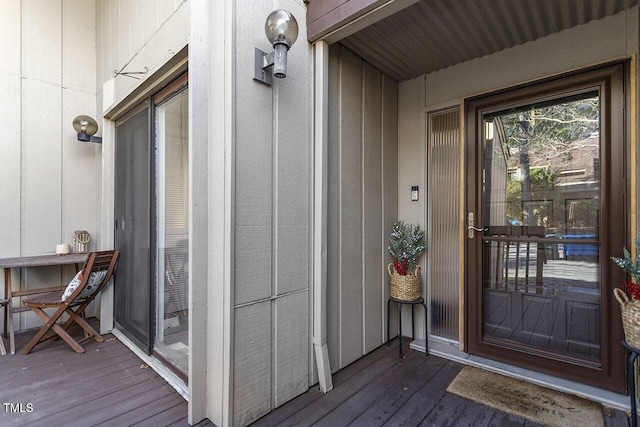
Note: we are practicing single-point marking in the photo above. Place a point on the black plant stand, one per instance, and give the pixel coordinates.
(633, 355)
(400, 303)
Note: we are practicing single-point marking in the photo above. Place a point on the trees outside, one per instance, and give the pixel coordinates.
(553, 153)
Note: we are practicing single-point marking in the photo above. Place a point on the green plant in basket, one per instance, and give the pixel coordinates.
(406, 245)
(628, 295)
(632, 267)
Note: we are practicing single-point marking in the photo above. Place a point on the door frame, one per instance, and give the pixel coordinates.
(612, 80)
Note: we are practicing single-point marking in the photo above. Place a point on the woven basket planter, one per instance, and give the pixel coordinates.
(630, 317)
(406, 288)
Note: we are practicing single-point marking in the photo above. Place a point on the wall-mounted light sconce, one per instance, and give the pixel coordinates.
(86, 127)
(281, 28)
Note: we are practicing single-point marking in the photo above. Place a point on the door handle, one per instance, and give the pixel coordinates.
(471, 228)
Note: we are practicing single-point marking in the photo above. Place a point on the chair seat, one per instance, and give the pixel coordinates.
(44, 300)
(49, 299)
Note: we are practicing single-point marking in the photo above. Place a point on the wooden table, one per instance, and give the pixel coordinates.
(26, 262)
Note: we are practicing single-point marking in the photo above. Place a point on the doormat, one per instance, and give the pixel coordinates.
(530, 401)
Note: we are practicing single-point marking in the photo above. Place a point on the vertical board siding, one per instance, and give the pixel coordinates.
(79, 46)
(10, 28)
(273, 183)
(42, 40)
(41, 167)
(79, 162)
(47, 77)
(350, 207)
(373, 265)
(254, 158)
(254, 220)
(291, 366)
(362, 203)
(252, 362)
(389, 185)
(10, 161)
(333, 209)
(292, 180)
(444, 155)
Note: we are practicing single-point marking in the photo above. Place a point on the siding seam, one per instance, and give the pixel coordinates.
(363, 78)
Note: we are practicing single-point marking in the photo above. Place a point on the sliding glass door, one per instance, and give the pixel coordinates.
(152, 225)
(172, 227)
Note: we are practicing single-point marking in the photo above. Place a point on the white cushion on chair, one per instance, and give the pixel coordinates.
(94, 281)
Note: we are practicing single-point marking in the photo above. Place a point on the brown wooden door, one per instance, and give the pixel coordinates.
(546, 198)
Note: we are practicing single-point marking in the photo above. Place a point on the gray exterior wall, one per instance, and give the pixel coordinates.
(362, 204)
(49, 181)
(273, 217)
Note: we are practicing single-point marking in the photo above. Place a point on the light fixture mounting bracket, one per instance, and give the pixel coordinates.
(263, 66)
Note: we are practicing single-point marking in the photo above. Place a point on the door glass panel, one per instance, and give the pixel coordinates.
(172, 311)
(540, 201)
(444, 223)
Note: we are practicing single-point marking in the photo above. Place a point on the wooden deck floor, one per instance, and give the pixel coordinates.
(108, 385)
(383, 390)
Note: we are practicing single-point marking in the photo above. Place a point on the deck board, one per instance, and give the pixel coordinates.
(355, 405)
(396, 397)
(110, 386)
(167, 417)
(141, 413)
(107, 385)
(381, 389)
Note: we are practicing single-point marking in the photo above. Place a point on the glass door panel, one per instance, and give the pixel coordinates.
(540, 210)
(546, 210)
(172, 213)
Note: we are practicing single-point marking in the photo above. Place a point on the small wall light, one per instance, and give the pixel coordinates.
(86, 127)
(281, 28)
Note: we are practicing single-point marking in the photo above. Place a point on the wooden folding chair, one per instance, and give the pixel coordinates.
(5, 303)
(74, 305)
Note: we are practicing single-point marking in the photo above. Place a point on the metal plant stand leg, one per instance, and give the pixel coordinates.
(399, 304)
(633, 355)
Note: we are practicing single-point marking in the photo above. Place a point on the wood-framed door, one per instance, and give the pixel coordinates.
(546, 209)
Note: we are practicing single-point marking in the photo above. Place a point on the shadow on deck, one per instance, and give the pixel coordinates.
(108, 385)
(382, 389)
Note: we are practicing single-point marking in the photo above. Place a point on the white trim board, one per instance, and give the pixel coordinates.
(168, 375)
